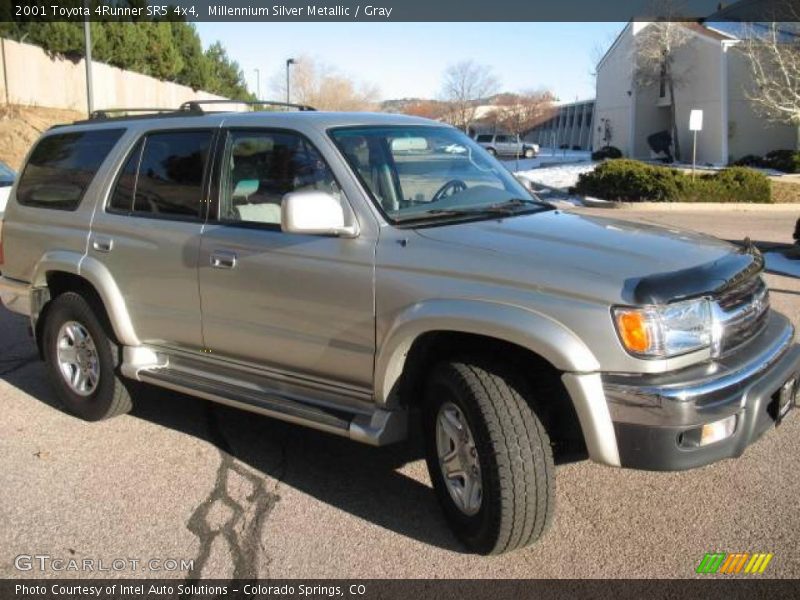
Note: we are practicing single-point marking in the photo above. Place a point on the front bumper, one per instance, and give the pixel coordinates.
(657, 419)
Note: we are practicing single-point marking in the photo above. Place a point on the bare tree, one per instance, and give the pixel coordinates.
(323, 87)
(654, 64)
(519, 113)
(773, 53)
(465, 84)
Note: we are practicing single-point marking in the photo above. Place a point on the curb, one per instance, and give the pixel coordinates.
(692, 206)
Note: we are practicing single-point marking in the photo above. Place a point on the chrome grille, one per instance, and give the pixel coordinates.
(741, 313)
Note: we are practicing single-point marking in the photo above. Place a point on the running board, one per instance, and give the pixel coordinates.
(378, 428)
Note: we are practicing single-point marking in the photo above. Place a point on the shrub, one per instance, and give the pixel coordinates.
(607, 152)
(787, 161)
(750, 160)
(629, 181)
(634, 181)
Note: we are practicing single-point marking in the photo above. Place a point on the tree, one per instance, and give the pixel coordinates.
(323, 87)
(226, 78)
(655, 52)
(773, 53)
(465, 84)
(519, 113)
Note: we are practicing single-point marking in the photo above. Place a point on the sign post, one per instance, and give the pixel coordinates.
(695, 125)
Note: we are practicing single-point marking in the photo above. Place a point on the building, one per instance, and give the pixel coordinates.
(714, 79)
(570, 127)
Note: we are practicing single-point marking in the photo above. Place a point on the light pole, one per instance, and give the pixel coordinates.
(289, 63)
(258, 84)
(87, 41)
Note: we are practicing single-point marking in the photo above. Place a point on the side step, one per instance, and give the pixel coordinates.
(378, 428)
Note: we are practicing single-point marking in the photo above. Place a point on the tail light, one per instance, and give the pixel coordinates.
(1, 242)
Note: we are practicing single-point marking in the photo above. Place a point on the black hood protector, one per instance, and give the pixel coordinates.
(710, 278)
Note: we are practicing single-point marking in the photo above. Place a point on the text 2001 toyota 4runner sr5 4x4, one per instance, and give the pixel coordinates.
(346, 271)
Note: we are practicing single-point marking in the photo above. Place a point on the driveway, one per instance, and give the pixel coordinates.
(240, 495)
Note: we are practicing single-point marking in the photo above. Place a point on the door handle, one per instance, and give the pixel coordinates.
(223, 260)
(103, 244)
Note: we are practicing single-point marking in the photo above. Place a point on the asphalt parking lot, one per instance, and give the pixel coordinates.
(245, 496)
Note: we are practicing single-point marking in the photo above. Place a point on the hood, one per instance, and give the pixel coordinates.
(631, 262)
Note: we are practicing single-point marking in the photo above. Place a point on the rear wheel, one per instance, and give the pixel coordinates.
(492, 151)
(82, 360)
(488, 455)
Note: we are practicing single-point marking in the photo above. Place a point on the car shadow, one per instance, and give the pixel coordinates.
(360, 480)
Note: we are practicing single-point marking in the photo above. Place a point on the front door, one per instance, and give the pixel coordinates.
(297, 305)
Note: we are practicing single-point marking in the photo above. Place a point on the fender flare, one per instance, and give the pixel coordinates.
(521, 326)
(100, 278)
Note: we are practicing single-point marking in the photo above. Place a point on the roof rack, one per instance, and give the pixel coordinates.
(113, 113)
(187, 109)
(197, 105)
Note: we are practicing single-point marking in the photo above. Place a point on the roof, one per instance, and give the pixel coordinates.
(695, 27)
(316, 119)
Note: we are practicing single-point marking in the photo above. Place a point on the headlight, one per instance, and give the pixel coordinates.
(664, 331)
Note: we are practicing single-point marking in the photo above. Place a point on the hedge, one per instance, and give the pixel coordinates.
(607, 152)
(633, 181)
(787, 161)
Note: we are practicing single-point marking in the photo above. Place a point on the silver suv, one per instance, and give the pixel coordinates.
(362, 274)
(506, 144)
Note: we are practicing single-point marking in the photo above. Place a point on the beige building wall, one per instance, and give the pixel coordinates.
(614, 101)
(32, 77)
(748, 132)
(701, 66)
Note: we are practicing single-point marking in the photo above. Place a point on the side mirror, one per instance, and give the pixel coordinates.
(314, 213)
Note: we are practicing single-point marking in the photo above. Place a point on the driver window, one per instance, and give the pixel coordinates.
(262, 167)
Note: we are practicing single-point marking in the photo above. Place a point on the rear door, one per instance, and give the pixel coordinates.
(300, 306)
(149, 234)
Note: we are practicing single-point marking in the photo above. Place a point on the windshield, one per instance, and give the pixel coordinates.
(421, 172)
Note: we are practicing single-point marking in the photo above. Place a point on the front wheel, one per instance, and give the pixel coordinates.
(529, 153)
(82, 360)
(488, 455)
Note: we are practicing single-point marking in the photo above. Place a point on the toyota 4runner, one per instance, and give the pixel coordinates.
(359, 273)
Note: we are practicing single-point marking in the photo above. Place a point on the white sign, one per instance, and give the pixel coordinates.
(696, 120)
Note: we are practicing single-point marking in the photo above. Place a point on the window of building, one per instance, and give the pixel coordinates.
(62, 166)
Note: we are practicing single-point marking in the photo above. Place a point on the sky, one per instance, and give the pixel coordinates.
(407, 59)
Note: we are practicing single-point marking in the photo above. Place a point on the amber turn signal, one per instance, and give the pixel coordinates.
(633, 331)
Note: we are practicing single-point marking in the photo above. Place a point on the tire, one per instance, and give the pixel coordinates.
(492, 151)
(529, 153)
(68, 320)
(514, 455)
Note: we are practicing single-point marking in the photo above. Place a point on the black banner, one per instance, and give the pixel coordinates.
(716, 588)
(398, 10)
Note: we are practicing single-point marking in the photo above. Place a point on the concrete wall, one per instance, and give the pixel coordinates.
(749, 133)
(30, 76)
(614, 101)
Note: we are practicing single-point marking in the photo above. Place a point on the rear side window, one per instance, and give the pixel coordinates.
(122, 198)
(163, 175)
(62, 166)
(483, 138)
(170, 180)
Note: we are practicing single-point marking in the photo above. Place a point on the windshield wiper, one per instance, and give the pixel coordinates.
(508, 207)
